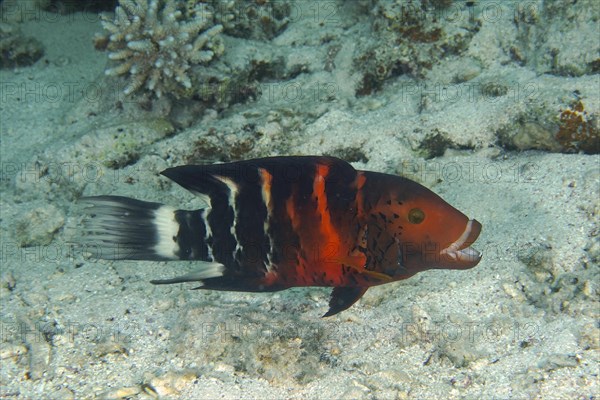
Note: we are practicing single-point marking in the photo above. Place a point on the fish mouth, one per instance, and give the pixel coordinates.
(458, 254)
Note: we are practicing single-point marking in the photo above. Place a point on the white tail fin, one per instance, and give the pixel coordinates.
(120, 228)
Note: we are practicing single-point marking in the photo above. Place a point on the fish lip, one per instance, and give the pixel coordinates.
(458, 253)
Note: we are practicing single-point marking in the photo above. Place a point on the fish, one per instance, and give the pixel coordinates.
(275, 223)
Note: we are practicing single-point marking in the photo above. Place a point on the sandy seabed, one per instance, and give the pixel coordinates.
(522, 324)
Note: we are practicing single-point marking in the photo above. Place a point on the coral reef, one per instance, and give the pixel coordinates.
(156, 42)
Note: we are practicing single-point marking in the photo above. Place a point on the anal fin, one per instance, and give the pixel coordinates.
(205, 271)
(342, 298)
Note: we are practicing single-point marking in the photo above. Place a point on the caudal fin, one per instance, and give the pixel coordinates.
(121, 228)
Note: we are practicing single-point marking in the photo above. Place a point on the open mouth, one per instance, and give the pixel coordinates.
(458, 253)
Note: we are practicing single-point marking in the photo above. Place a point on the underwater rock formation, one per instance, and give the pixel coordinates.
(17, 50)
(259, 20)
(409, 38)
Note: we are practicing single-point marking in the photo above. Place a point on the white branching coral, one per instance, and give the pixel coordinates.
(156, 42)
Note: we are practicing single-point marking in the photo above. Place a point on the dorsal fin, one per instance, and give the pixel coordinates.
(198, 179)
(216, 178)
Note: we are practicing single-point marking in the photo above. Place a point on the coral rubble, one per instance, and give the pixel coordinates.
(558, 38)
(408, 38)
(260, 19)
(156, 42)
(17, 50)
(578, 131)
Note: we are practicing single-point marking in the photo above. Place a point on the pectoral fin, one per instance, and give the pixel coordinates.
(342, 298)
(375, 277)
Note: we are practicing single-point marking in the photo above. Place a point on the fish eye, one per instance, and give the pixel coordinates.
(416, 216)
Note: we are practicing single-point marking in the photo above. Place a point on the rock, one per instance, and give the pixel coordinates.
(17, 50)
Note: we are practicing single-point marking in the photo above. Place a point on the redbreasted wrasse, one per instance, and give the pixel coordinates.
(280, 222)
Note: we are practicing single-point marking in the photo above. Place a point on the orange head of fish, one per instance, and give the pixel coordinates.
(415, 228)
